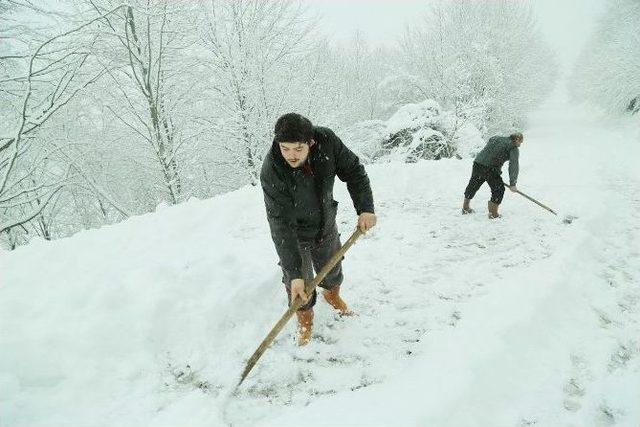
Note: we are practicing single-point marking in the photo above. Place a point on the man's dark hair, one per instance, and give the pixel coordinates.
(292, 127)
(516, 136)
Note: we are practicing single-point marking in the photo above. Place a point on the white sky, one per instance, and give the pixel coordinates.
(566, 23)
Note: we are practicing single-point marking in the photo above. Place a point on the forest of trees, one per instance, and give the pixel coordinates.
(607, 73)
(111, 107)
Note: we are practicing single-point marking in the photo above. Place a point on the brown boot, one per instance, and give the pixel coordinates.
(466, 209)
(332, 296)
(493, 210)
(305, 326)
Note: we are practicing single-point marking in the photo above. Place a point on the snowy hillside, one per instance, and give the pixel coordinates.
(462, 321)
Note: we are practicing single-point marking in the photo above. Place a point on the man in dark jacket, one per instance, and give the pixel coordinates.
(297, 179)
(487, 166)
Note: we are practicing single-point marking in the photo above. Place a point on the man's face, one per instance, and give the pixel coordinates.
(295, 153)
(518, 142)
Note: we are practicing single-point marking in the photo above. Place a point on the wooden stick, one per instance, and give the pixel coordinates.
(534, 200)
(297, 303)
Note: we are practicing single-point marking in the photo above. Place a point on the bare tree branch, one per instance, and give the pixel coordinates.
(9, 225)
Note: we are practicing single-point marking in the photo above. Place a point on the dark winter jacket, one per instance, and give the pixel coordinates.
(299, 201)
(498, 150)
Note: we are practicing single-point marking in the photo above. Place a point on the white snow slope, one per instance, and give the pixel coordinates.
(462, 321)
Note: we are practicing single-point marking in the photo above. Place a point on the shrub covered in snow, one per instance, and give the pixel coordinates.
(414, 132)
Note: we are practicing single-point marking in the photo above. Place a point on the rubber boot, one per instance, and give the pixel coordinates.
(305, 326)
(466, 209)
(332, 296)
(493, 210)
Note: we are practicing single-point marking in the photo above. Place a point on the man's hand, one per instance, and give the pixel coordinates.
(297, 290)
(513, 188)
(366, 221)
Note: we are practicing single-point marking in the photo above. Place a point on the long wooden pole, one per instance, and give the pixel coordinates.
(533, 200)
(297, 303)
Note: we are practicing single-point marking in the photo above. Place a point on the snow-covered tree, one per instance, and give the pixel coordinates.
(252, 51)
(346, 80)
(608, 70)
(485, 60)
(44, 69)
(141, 49)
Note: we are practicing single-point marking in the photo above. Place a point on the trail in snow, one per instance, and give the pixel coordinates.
(550, 338)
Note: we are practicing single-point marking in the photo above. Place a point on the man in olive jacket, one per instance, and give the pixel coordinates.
(297, 179)
(487, 166)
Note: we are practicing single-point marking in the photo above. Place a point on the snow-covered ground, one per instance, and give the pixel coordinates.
(462, 321)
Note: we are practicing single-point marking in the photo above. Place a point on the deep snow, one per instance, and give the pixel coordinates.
(461, 320)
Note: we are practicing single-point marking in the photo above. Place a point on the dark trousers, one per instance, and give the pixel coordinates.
(480, 174)
(315, 255)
